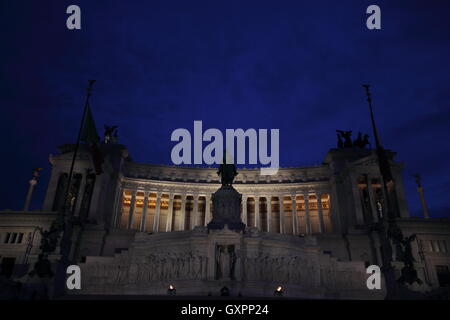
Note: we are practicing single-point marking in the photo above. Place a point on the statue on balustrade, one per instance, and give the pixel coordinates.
(361, 142)
(347, 137)
(110, 134)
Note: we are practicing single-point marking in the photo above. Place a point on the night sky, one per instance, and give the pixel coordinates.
(293, 65)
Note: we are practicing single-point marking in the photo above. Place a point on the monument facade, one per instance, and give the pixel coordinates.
(140, 228)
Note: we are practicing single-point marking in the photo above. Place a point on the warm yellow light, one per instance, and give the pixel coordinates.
(279, 288)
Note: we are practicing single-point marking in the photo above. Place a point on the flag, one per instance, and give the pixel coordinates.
(90, 136)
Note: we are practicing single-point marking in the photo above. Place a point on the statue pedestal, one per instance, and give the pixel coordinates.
(226, 209)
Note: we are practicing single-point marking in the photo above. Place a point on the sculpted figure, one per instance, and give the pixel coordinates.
(189, 265)
(233, 261)
(283, 269)
(119, 270)
(132, 272)
(365, 141)
(124, 272)
(204, 266)
(200, 266)
(291, 270)
(313, 274)
(260, 262)
(253, 268)
(110, 134)
(158, 273)
(173, 266)
(347, 138)
(150, 271)
(177, 266)
(279, 270)
(160, 267)
(168, 266)
(265, 268)
(181, 267)
(299, 268)
(246, 267)
(227, 172)
(408, 272)
(99, 268)
(190, 261)
(164, 267)
(111, 273)
(361, 142)
(358, 141)
(106, 274)
(340, 143)
(139, 273)
(99, 272)
(225, 263)
(95, 271)
(196, 267)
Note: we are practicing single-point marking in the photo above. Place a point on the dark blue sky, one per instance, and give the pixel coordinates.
(160, 65)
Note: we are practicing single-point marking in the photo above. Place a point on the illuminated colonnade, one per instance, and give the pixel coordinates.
(164, 211)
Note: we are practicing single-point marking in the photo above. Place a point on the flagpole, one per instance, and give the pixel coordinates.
(67, 212)
(89, 93)
(372, 118)
(386, 247)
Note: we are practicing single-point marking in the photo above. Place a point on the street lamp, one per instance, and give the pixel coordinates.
(171, 291)
(278, 291)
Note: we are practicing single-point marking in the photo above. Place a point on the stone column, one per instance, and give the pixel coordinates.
(183, 212)
(334, 212)
(269, 214)
(170, 213)
(373, 206)
(51, 189)
(281, 200)
(400, 193)
(257, 213)
(357, 199)
(195, 220)
(157, 212)
(426, 213)
(131, 212)
(81, 193)
(294, 215)
(117, 208)
(307, 219)
(32, 183)
(207, 209)
(97, 206)
(244, 210)
(320, 210)
(144, 211)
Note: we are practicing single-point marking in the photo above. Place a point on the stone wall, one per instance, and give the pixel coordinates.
(189, 260)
